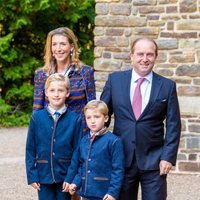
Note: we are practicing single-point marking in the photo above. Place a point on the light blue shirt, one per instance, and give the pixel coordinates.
(145, 87)
(52, 111)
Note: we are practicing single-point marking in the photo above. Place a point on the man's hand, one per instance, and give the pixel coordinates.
(165, 167)
(108, 197)
(36, 186)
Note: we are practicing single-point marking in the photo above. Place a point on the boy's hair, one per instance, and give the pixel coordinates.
(57, 77)
(97, 104)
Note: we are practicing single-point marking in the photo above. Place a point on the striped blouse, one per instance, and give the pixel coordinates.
(82, 90)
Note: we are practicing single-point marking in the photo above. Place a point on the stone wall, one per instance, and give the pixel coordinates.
(175, 25)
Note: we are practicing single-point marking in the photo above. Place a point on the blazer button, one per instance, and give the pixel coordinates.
(88, 171)
(89, 159)
(53, 154)
(54, 140)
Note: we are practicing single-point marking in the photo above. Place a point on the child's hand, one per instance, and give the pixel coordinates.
(72, 189)
(65, 187)
(36, 186)
(108, 197)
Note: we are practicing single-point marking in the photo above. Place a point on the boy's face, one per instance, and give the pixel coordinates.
(95, 119)
(57, 94)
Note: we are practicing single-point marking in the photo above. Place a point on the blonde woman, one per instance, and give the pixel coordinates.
(62, 56)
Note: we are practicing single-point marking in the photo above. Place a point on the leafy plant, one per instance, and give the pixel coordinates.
(24, 25)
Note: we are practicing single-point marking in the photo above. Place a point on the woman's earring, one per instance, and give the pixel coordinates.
(71, 52)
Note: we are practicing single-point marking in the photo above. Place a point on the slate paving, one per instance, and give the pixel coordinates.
(13, 185)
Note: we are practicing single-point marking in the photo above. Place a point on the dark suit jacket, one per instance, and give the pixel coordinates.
(155, 135)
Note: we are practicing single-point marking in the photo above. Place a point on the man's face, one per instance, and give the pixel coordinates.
(143, 57)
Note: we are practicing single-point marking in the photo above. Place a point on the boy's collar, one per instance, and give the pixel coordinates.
(61, 110)
(100, 132)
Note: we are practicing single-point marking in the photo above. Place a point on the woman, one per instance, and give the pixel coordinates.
(62, 56)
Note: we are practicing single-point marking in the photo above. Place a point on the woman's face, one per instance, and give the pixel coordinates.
(61, 48)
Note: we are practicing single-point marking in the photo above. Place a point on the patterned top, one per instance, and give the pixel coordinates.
(82, 90)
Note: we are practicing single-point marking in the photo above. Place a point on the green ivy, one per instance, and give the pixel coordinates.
(24, 25)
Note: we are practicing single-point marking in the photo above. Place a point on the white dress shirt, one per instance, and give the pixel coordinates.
(145, 87)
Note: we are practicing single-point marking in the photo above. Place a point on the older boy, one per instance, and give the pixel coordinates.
(52, 142)
(101, 166)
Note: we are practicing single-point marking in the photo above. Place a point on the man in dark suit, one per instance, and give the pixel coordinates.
(150, 138)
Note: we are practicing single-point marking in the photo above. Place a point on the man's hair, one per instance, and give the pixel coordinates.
(55, 78)
(97, 104)
(144, 38)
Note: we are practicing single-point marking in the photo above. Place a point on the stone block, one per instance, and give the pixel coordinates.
(170, 25)
(182, 143)
(188, 24)
(188, 6)
(167, 44)
(122, 42)
(144, 2)
(189, 91)
(191, 44)
(162, 57)
(107, 55)
(181, 156)
(156, 23)
(184, 58)
(151, 9)
(101, 8)
(189, 166)
(192, 142)
(165, 72)
(114, 31)
(196, 82)
(98, 31)
(192, 157)
(105, 41)
(98, 52)
(107, 65)
(120, 21)
(178, 35)
(120, 9)
(122, 56)
(153, 17)
(147, 31)
(189, 104)
(194, 128)
(167, 1)
(188, 70)
(171, 9)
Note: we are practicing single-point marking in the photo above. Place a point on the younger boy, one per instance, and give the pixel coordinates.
(52, 143)
(101, 158)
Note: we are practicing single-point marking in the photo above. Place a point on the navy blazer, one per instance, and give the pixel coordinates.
(101, 168)
(155, 135)
(52, 147)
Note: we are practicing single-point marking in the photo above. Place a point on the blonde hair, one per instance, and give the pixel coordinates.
(50, 66)
(147, 39)
(57, 77)
(97, 104)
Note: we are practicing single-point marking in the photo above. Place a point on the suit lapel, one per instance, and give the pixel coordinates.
(126, 87)
(155, 89)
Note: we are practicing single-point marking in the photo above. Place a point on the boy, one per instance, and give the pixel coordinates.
(52, 143)
(101, 165)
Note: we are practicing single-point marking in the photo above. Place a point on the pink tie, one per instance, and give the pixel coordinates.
(137, 99)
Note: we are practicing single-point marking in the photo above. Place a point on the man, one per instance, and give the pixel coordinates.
(147, 118)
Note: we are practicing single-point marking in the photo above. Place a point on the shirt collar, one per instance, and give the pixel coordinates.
(61, 110)
(135, 76)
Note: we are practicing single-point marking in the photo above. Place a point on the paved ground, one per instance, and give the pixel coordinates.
(13, 184)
